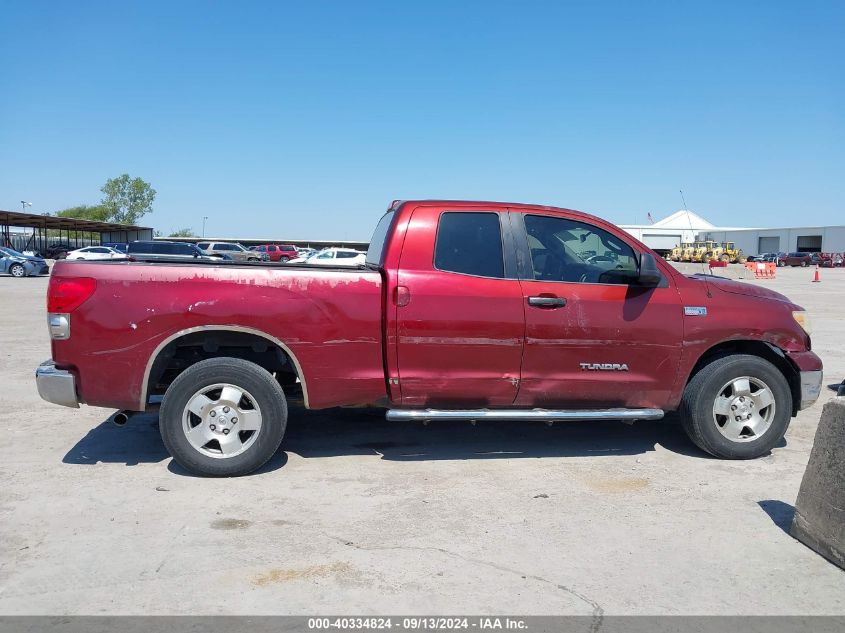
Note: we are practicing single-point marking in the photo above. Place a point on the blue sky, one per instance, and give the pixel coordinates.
(304, 120)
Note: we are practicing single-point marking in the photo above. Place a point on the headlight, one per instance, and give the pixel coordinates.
(803, 319)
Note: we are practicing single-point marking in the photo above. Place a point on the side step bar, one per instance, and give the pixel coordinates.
(545, 415)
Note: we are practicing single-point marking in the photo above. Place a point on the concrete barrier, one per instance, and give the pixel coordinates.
(819, 520)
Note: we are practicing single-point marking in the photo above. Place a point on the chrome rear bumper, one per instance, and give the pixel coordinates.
(811, 387)
(56, 385)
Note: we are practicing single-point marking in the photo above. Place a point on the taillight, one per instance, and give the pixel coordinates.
(66, 294)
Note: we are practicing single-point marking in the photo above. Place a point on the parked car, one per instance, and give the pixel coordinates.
(96, 252)
(123, 247)
(158, 249)
(444, 322)
(827, 260)
(796, 259)
(278, 252)
(232, 249)
(775, 258)
(17, 264)
(335, 257)
(57, 250)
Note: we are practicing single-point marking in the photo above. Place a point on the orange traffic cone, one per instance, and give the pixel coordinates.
(816, 277)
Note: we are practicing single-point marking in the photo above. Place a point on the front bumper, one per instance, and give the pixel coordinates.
(56, 385)
(811, 387)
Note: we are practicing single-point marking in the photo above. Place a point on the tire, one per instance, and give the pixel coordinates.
(17, 270)
(262, 405)
(713, 388)
(803, 264)
(284, 260)
(725, 258)
(781, 264)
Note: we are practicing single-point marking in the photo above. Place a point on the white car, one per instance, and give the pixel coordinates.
(333, 257)
(96, 252)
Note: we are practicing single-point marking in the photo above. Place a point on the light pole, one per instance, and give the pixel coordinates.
(204, 218)
(24, 205)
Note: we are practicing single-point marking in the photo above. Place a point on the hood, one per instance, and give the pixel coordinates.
(740, 288)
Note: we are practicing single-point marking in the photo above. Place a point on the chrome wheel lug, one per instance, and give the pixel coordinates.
(225, 431)
(213, 413)
(234, 420)
(733, 407)
(213, 427)
(225, 409)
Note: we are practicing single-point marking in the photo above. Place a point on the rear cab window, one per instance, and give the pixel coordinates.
(375, 252)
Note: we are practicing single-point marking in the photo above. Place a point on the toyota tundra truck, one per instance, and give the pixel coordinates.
(463, 311)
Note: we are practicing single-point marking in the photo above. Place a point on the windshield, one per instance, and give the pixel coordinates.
(377, 242)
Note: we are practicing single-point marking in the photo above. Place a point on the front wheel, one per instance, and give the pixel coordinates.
(223, 417)
(17, 270)
(737, 407)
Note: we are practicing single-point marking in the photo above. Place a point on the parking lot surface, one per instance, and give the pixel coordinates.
(356, 515)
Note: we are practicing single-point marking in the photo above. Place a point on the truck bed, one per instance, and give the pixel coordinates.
(328, 318)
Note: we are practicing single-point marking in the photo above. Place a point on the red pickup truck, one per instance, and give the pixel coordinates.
(463, 310)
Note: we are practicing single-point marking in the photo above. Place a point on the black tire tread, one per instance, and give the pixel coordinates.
(236, 371)
(693, 420)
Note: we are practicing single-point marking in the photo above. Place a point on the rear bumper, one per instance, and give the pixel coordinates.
(56, 385)
(811, 387)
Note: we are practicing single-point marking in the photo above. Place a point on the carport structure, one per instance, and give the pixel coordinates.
(72, 231)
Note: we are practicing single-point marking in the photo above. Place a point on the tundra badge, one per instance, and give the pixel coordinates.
(604, 366)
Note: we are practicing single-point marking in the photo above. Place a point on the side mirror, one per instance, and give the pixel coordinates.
(649, 274)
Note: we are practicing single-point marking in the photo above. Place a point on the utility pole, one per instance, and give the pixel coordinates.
(204, 218)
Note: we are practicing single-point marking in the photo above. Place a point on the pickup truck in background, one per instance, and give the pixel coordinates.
(462, 310)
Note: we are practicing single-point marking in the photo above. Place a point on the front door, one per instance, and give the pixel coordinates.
(593, 337)
(460, 318)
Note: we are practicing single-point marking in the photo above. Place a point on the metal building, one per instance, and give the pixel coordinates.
(807, 239)
(36, 232)
(686, 226)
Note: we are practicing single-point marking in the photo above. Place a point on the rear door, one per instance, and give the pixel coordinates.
(460, 318)
(593, 338)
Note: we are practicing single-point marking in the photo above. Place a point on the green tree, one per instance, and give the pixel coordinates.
(97, 213)
(183, 233)
(127, 199)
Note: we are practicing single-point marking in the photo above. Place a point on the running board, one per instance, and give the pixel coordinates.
(545, 415)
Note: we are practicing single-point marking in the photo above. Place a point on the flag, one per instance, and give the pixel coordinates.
(650, 219)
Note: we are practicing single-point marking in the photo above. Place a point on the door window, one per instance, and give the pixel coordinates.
(470, 243)
(571, 251)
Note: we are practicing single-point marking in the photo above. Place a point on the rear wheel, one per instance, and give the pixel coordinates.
(17, 270)
(737, 407)
(223, 417)
(284, 260)
(725, 258)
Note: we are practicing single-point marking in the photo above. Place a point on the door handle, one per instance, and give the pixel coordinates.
(547, 302)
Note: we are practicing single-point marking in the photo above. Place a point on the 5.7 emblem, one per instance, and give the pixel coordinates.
(604, 366)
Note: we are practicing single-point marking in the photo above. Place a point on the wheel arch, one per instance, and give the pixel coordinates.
(766, 351)
(172, 341)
